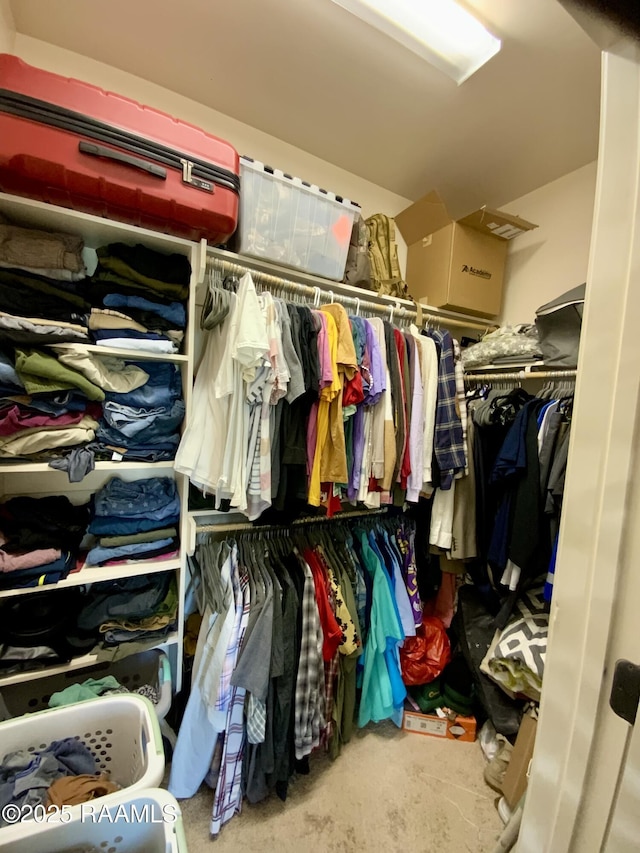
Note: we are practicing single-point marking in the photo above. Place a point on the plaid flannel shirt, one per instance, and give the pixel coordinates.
(228, 796)
(448, 441)
(309, 696)
(462, 403)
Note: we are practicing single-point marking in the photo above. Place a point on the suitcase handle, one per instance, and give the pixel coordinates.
(127, 159)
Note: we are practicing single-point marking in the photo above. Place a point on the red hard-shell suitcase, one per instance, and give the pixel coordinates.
(71, 144)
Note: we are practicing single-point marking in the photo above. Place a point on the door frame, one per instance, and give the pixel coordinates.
(600, 458)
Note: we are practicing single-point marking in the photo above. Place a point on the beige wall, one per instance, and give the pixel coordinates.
(554, 257)
(7, 28)
(246, 139)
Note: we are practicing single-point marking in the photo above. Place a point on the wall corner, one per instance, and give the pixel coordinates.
(7, 28)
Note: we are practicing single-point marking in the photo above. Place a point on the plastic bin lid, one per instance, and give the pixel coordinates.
(257, 166)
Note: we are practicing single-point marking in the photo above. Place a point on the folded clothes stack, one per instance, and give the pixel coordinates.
(51, 385)
(43, 405)
(138, 298)
(69, 407)
(39, 540)
(139, 609)
(40, 302)
(143, 424)
(508, 345)
(135, 521)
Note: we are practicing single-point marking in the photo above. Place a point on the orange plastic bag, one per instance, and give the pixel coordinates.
(424, 656)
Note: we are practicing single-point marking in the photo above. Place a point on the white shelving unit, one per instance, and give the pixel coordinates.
(38, 479)
(7, 467)
(527, 366)
(170, 645)
(140, 355)
(95, 574)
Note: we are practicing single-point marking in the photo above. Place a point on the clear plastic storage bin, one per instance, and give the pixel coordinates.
(147, 821)
(121, 731)
(288, 221)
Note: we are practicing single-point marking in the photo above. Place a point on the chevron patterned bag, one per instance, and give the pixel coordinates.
(515, 659)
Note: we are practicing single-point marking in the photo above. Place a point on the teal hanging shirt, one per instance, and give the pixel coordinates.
(383, 691)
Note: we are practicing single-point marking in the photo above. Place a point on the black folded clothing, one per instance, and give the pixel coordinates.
(126, 598)
(170, 268)
(29, 295)
(44, 620)
(51, 522)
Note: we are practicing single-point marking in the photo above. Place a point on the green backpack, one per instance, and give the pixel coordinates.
(358, 269)
(383, 255)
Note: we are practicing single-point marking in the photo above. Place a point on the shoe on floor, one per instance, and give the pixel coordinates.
(497, 767)
(504, 811)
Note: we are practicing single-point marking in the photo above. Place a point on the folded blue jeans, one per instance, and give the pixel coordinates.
(115, 636)
(99, 554)
(104, 525)
(155, 497)
(107, 334)
(59, 403)
(130, 420)
(138, 453)
(173, 312)
(162, 388)
(115, 438)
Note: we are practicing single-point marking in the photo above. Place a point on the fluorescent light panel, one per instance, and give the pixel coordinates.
(440, 31)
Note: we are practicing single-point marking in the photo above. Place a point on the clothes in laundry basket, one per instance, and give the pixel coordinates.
(89, 689)
(25, 777)
(73, 790)
(93, 687)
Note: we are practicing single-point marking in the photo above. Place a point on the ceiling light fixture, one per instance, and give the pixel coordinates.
(440, 31)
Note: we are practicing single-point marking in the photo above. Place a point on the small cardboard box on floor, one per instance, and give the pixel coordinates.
(460, 728)
(516, 776)
(458, 265)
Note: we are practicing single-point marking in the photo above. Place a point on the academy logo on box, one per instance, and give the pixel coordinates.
(476, 271)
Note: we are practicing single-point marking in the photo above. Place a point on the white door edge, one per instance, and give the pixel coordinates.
(604, 418)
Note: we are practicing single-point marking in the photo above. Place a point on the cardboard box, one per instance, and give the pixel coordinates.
(516, 776)
(462, 728)
(457, 265)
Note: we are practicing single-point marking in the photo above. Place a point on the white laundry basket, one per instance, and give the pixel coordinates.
(149, 667)
(121, 731)
(145, 821)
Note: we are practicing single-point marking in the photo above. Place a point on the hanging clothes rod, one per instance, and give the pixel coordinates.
(315, 293)
(520, 375)
(299, 522)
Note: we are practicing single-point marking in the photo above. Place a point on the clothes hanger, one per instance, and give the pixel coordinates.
(217, 301)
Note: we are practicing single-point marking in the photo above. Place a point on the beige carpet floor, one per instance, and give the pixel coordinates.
(389, 792)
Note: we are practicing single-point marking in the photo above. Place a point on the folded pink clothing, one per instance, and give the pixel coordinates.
(28, 559)
(15, 418)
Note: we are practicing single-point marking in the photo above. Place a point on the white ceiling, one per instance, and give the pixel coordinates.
(308, 72)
